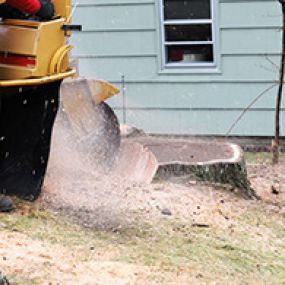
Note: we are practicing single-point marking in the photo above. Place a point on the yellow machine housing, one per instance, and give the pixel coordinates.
(33, 64)
(33, 49)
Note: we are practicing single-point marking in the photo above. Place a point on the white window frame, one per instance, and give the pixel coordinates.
(164, 43)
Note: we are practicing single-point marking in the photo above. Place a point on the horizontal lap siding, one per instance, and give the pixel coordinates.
(133, 44)
(200, 122)
(256, 13)
(144, 68)
(233, 96)
(106, 17)
(122, 38)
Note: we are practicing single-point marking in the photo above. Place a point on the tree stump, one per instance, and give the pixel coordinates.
(218, 162)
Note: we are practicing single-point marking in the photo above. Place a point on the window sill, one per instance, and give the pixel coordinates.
(189, 70)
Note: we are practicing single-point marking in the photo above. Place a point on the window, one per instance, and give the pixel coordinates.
(188, 33)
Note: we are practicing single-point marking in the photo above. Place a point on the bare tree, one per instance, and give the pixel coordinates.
(276, 140)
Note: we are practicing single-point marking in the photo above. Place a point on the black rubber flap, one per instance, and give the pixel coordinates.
(27, 116)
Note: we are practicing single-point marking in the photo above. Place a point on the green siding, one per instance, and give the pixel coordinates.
(249, 13)
(254, 41)
(233, 67)
(165, 95)
(122, 37)
(133, 43)
(96, 17)
(197, 122)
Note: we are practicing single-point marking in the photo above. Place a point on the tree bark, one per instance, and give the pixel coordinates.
(234, 174)
(276, 141)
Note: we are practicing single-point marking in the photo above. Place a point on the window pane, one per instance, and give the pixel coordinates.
(189, 54)
(187, 9)
(188, 32)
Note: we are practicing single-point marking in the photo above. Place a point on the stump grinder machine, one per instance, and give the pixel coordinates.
(33, 63)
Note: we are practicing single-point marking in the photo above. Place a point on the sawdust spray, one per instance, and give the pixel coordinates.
(76, 187)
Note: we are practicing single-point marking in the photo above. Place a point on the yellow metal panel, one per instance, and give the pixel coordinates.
(45, 41)
(62, 64)
(18, 40)
(39, 39)
(62, 8)
(37, 81)
(57, 63)
(23, 23)
(9, 72)
(50, 40)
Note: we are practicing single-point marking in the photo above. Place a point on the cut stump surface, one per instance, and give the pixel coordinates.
(216, 162)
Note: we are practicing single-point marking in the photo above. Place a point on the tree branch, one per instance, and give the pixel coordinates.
(249, 106)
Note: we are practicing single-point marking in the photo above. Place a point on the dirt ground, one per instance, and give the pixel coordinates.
(119, 208)
(268, 181)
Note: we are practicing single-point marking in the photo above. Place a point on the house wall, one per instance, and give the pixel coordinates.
(122, 37)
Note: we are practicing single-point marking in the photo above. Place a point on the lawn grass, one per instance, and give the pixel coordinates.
(214, 254)
(260, 157)
(250, 252)
(44, 226)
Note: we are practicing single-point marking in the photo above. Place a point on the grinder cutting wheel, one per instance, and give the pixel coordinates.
(33, 63)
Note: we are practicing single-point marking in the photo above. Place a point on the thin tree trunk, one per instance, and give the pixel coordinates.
(276, 141)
